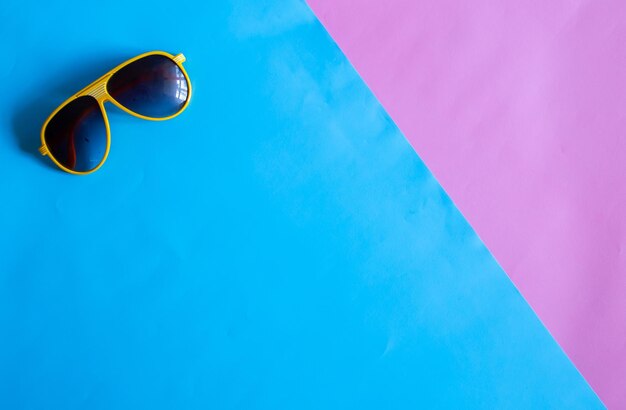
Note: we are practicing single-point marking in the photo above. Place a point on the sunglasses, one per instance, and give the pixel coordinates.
(152, 86)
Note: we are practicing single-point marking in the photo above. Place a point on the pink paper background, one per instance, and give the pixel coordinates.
(518, 109)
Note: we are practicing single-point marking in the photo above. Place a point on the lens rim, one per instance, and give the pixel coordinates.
(176, 60)
(106, 125)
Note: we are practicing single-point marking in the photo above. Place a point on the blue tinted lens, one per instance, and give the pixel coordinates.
(153, 86)
(76, 136)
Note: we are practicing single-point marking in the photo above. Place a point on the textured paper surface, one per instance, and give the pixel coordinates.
(278, 245)
(518, 109)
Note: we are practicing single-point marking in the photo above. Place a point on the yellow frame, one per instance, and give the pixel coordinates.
(98, 90)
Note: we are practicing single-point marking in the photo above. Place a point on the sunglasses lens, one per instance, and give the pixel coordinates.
(153, 86)
(76, 136)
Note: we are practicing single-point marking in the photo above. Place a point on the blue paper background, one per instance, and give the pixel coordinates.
(278, 245)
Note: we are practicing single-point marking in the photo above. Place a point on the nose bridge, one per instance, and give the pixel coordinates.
(98, 89)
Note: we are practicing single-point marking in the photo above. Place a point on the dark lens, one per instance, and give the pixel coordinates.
(76, 136)
(153, 86)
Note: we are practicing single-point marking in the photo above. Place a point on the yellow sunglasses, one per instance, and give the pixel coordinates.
(152, 86)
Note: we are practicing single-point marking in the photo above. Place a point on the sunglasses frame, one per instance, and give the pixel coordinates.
(98, 90)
